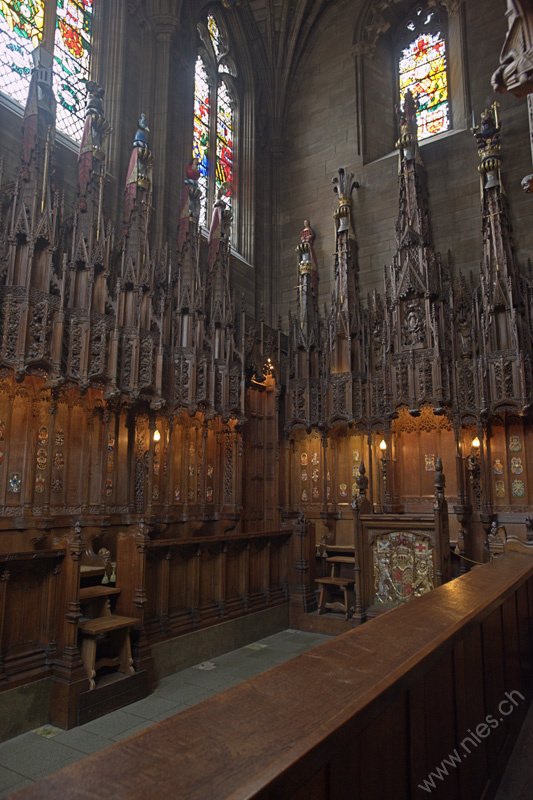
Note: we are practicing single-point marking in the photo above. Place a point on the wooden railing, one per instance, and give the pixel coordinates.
(368, 715)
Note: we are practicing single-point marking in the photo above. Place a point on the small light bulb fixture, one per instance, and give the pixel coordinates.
(383, 445)
(157, 435)
(476, 443)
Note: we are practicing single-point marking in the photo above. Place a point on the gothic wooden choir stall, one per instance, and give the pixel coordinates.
(170, 460)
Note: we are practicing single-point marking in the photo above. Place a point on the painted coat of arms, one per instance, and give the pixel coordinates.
(518, 488)
(403, 567)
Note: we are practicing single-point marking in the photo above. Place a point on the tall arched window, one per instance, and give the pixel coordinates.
(22, 26)
(422, 68)
(214, 115)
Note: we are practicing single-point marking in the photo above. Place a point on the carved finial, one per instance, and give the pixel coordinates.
(408, 126)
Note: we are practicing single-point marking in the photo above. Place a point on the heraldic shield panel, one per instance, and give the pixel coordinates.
(403, 567)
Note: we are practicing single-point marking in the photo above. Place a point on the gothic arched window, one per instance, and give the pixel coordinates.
(214, 115)
(22, 28)
(422, 68)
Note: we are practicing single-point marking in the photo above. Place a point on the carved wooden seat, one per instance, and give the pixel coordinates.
(104, 636)
(335, 584)
(119, 655)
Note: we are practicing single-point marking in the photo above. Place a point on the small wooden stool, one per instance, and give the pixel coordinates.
(334, 582)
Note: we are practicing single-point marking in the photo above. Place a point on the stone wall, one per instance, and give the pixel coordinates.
(326, 130)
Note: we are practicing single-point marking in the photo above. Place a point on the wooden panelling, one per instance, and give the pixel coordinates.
(28, 623)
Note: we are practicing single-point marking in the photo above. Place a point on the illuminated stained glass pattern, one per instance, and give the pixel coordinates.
(213, 120)
(422, 69)
(200, 148)
(214, 34)
(72, 53)
(21, 30)
(224, 171)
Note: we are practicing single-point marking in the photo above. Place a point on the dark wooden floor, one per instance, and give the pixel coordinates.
(517, 781)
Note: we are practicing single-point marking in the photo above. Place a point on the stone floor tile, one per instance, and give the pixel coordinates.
(83, 740)
(143, 725)
(17, 744)
(112, 724)
(8, 778)
(151, 706)
(183, 692)
(40, 759)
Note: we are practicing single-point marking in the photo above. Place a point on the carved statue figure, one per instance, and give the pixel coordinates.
(384, 586)
(217, 230)
(190, 200)
(308, 262)
(529, 529)
(96, 127)
(414, 328)
(424, 578)
(305, 248)
(140, 160)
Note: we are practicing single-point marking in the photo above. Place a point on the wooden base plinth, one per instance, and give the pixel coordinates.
(110, 694)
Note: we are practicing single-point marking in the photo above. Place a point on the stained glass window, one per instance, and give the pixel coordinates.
(213, 120)
(21, 30)
(201, 131)
(72, 51)
(224, 170)
(422, 69)
(214, 35)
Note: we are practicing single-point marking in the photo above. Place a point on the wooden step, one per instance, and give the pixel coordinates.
(94, 627)
(342, 582)
(341, 559)
(90, 592)
(89, 571)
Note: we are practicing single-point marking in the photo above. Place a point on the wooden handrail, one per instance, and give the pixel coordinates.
(203, 540)
(367, 715)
